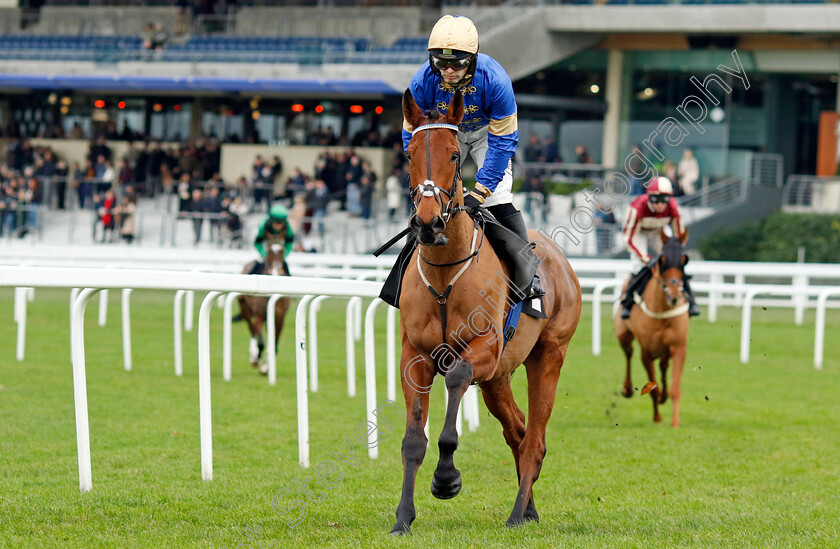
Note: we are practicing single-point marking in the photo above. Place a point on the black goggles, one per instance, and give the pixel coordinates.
(658, 198)
(457, 64)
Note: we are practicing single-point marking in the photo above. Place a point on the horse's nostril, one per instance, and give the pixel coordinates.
(436, 225)
(415, 224)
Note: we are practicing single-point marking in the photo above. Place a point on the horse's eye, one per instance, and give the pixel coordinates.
(407, 156)
(455, 157)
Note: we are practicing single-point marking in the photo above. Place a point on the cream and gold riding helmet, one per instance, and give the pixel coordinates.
(453, 43)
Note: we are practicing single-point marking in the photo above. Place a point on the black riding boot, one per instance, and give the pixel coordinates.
(257, 268)
(390, 293)
(511, 218)
(636, 284)
(693, 309)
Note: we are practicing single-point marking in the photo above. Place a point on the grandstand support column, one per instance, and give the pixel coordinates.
(836, 104)
(6, 114)
(612, 118)
(195, 117)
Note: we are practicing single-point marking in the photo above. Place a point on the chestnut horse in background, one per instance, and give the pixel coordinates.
(659, 321)
(470, 349)
(255, 308)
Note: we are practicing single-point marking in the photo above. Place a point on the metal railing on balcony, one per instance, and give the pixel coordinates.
(563, 172)
(719, 194)
(765, 169)
(811, 194)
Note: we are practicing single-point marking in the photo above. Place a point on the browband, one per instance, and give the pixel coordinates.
(432, 126)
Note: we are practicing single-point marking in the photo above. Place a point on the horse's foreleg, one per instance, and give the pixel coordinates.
(260, 350)
(446, 482)
(543, 373)
(625, 339)
(254, 352)
(654, 394)
(498, 398)
(417, 378)
(663, 370)
(678, 354)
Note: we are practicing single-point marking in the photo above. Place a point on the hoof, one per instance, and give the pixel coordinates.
(399, 530)
(515, 522)
(531, 515)
(446, 489)
(626, 393)
(657, 418)
(255, 365)
(264, 369)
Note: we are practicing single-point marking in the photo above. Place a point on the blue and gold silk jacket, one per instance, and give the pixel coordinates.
(488, 101)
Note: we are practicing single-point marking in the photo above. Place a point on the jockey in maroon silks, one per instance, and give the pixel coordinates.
(646, 216)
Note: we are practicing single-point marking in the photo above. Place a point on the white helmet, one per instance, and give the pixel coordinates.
(660, 185)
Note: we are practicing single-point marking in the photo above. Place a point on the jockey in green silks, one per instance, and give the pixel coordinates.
(275, 226)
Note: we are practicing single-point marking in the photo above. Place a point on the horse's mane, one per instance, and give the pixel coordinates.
(432, 115)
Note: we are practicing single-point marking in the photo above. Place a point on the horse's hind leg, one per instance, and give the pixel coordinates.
(253, 346)
(499, 400)
(625, 339)
(543, 368)
(446, 482)
(654, 394)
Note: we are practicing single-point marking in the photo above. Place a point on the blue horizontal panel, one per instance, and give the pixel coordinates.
(141, 83)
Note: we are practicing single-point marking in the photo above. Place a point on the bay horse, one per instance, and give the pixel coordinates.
(456, 287)
(659, 322)
(254, 308)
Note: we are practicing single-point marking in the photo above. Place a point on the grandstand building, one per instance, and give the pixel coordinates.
(751, 88)
(603, 75)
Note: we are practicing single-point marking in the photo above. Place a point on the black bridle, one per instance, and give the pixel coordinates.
(448, 211)
(428, 187)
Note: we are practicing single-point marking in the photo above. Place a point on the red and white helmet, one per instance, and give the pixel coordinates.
(660, 185)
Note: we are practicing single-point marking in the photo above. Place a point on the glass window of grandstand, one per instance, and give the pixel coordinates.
(561, 111)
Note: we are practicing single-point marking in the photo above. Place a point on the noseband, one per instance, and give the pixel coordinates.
(428, 187)
(661, 281)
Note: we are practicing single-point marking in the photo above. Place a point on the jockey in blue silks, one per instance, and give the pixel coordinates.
(489, 130)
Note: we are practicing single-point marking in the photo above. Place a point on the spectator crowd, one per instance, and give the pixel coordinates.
(188, 176)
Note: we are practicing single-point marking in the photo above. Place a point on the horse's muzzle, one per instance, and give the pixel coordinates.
(428, 234)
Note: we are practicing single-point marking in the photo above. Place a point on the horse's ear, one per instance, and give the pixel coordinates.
(663, 236)
(684, 237)
(455, 112)
(411, 112)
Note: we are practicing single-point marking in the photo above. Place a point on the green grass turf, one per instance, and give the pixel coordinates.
(755, 464)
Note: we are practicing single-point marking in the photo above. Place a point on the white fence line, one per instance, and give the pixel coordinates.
(749, 292)
(94, 280)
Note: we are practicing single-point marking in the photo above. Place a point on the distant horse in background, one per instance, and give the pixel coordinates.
(659, 321)
(255, 308)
